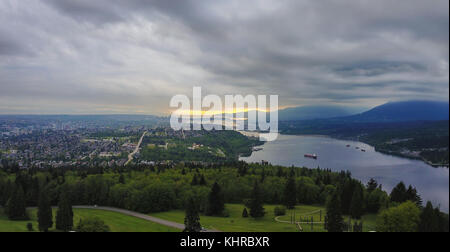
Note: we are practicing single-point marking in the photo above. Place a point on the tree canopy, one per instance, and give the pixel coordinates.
(403, 218)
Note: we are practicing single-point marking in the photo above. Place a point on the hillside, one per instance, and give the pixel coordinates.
(315, 112)
(404, 112)
(416, 129)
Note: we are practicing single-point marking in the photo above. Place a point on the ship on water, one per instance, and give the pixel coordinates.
(313, 156)
(257, 149)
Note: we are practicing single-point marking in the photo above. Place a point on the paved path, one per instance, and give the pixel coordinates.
(131, 155)
(141, 216)
(137, 215)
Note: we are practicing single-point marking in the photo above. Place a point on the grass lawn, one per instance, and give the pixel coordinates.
(116, 221)
(235, 223)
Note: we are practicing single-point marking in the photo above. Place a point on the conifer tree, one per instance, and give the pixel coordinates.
(443, 222)
(358, 227)
(216, 202)
(15, 207)
(64, 215)
(30, 227)
(256, 202)
(280, 172)
(263, 175)
(290, 194)
(32, 196)
(245, 213)
(6, 193)
(412, 195)
(334, 220)
(122, 179)
(192, 218)
(429, 221)
(202, 180)
(398, 194)
(356, 207)
(194, 180)
(346, 194)
(45, 214)
(372, 185)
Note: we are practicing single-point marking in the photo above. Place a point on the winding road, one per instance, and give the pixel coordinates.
(131, 155)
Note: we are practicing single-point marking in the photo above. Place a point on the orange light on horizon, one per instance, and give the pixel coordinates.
(212, 113)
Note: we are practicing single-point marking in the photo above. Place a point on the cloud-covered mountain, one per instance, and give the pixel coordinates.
(315, 112)
(405, 111)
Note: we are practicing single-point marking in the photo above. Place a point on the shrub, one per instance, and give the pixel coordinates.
(225, 213)
(92, 225)
(30, 227)
(280, 211)
(245, 213)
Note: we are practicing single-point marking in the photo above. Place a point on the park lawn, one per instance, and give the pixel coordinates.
(369, 222)
(116, 221)
(306, 212)
(236, 223)
(14, 226)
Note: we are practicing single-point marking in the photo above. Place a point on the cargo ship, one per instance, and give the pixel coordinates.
(257, 149)
(313, 156)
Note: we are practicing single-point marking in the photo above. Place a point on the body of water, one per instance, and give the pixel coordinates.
(432, 183)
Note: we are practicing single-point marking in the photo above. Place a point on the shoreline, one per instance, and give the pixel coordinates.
(386, 152)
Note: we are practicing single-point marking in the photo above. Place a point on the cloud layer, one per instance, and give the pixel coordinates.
(113, 56)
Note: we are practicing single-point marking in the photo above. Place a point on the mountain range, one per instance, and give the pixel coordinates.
(315, 112)
(390, 112)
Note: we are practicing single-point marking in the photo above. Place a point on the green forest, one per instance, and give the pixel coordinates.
(162, 188)
(212, 146)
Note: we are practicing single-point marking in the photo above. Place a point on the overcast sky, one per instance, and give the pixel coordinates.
(117, 56)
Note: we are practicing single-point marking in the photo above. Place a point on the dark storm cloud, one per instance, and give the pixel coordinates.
(12, 47)
(9, 47)
(379, 68)
(91, 11)
(138, 53)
